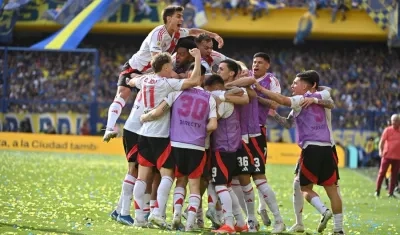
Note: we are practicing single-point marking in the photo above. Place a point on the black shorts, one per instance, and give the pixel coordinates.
(318, 165)
(130, 141)
(250, 158)
(155, 152)
(125, 75)
(296, 170)
(207, 166)
(263, 131)
(189, 162)
(223, 166)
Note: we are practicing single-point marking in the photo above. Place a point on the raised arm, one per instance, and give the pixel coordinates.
(195, 77)
(196, 32)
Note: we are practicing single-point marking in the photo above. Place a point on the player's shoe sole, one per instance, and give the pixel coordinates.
(324, 221)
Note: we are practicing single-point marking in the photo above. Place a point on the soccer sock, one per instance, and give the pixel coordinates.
(337, 222)
(119, 205)
(220, 215)
(138, 192)
(249, 199)
(115, 111)
(179, 198)
(237, 210)
(298, 201)
(270, 199)
(226, 204)
(199, 215)
(237, 189)
(162, 195)
(146, 203)
(261, 202)
(127, 188)
(317, 204)
(152, 205)
(194, 202)
(212, 196)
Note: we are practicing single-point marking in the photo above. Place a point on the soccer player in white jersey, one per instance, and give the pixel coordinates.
(318, 162)
(193, 115)
(163, 38)
(154, 143)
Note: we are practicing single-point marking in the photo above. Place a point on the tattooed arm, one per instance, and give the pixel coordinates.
(286, 122)
(155, 113)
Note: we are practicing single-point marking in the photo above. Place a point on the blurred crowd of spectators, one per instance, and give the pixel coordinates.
(365, 77)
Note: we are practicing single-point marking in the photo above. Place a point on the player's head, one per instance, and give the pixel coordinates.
(214, 82)
(203, 72)
(261, 62)
(228, 70)
(173, 17)
(182, 52)
(305, 81)
(205, 44)
(162, 64)
(395, 120)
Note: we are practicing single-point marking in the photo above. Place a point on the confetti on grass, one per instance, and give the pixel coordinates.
(47, 193)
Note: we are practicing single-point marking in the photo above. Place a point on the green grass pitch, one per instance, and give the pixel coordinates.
(47, 193)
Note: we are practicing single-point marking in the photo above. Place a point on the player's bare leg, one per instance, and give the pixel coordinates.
(114, 111)
(269, 196)
(337, 208)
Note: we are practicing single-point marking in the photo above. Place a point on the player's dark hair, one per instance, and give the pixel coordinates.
(170, 11)
(263, 55)
(232, 66)
(203, 69)
(202, 37)
(186, 43)
(213, 80)
(159, 61)
(311, 77)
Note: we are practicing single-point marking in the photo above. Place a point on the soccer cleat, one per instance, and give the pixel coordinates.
(200, 223)
(253, 226)
(264, 216)
(140, 224)
(377, 193)
(109, 134)
(338, 233)
(224, 229)
(211, 214)
(324, 220)
(278, 228)
(114, 215)
(297, 228)
(176, 221)
(125, 219)
(158, 221)
(392, 196)
(243, 229)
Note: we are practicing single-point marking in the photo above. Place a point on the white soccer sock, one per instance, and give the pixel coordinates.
(237, 211)
(212, 196)
(337, 222)
(179, 198)
(270, 199)
(152, 205)
(237, 189)
(115, 111)
(146, 199)
(119, 205)
(298, 201)
(317, 204)
(261, 202)
(226, 204)
(138, 193)
(248, 193)
(162, 195)
(194, 203)
(220, 215)
(127, 188)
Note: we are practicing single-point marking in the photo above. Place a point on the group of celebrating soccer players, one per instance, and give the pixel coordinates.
(199, 120)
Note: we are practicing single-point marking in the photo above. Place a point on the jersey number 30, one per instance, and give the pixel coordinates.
(196, 108)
